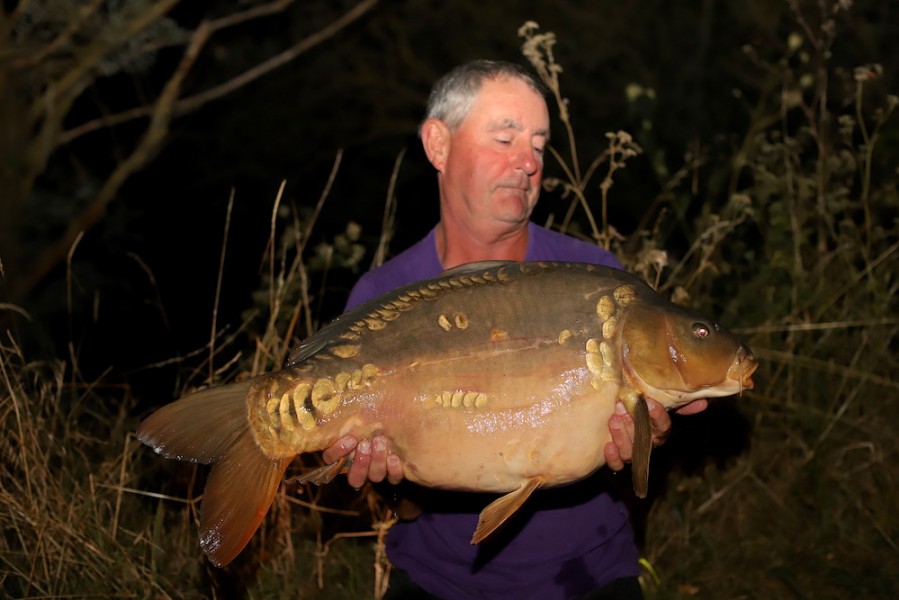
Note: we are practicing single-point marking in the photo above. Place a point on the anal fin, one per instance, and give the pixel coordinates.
(496, 513)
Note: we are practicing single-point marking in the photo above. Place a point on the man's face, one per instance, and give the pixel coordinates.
(495, 161)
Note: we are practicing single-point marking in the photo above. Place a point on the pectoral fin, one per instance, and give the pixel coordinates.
(496, 513)
(642, 446)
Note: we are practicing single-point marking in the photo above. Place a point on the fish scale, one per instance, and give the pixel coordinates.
(495, 377)
(460, 331)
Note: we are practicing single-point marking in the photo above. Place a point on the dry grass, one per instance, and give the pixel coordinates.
(71, 526)
(96, 515)
(88, 511)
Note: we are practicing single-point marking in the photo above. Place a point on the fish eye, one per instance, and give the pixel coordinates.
(701, 331)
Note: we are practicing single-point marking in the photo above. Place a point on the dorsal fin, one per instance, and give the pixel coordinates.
(331, 332)
(476, 266)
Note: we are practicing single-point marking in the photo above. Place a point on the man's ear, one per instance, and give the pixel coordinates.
(435, 137)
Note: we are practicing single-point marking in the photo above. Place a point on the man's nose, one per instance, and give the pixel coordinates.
(528, 161)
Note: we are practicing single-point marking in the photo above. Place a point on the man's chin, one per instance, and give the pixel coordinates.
(513, 210)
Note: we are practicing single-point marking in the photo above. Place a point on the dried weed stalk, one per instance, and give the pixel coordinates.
(538, 49)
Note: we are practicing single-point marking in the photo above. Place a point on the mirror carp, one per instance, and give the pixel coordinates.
(494, 377)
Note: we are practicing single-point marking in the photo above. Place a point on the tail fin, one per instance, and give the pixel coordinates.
(239, 492)
(211, 427)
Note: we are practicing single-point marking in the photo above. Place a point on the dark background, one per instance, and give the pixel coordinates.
(143, 280)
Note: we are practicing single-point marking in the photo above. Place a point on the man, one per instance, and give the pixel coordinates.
(485, 133)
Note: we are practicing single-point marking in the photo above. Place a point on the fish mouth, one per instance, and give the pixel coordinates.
(743, 368)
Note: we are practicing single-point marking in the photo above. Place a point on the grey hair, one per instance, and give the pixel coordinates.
(454, 93)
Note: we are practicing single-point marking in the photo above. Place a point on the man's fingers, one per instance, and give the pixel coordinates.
(621, 426)
(371, 460)
(358, 473)
(377, 468)
(660, 421)
(613, 458)
(394, 469)
(694, 407)
(339, 449)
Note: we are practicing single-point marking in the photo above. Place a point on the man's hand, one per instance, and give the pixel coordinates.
(370, 460)
(620, 449)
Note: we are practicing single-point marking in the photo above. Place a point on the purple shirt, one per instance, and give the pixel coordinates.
(563, 543)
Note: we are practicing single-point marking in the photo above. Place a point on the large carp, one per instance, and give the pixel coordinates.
(494, 377)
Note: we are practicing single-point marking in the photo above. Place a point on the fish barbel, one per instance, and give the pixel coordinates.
(494, 377)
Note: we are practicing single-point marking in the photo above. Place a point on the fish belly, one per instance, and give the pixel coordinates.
(491, 416)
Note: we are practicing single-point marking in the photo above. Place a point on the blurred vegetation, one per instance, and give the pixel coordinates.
(69, 70)
(751, 171)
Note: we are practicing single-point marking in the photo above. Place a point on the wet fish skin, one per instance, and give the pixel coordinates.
(496, 377)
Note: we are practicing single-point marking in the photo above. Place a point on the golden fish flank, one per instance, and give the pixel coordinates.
(460, 320)
(611, 370)
(324, 396)
(345, 350)
(601, 362)
(300, 396)
(357, 379)
(624, 294)
(502, 276)
(374, 323)
(291, 405)
(342, 380)
(369, 372)
(498, 335)
(459, 399)
(594, 359)
(306, 420)
(609, 328)
(388, 314)
(607, 320)
(401, 305)
(605, 308)
(286, 420)
(444, 323)
(281, 407)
